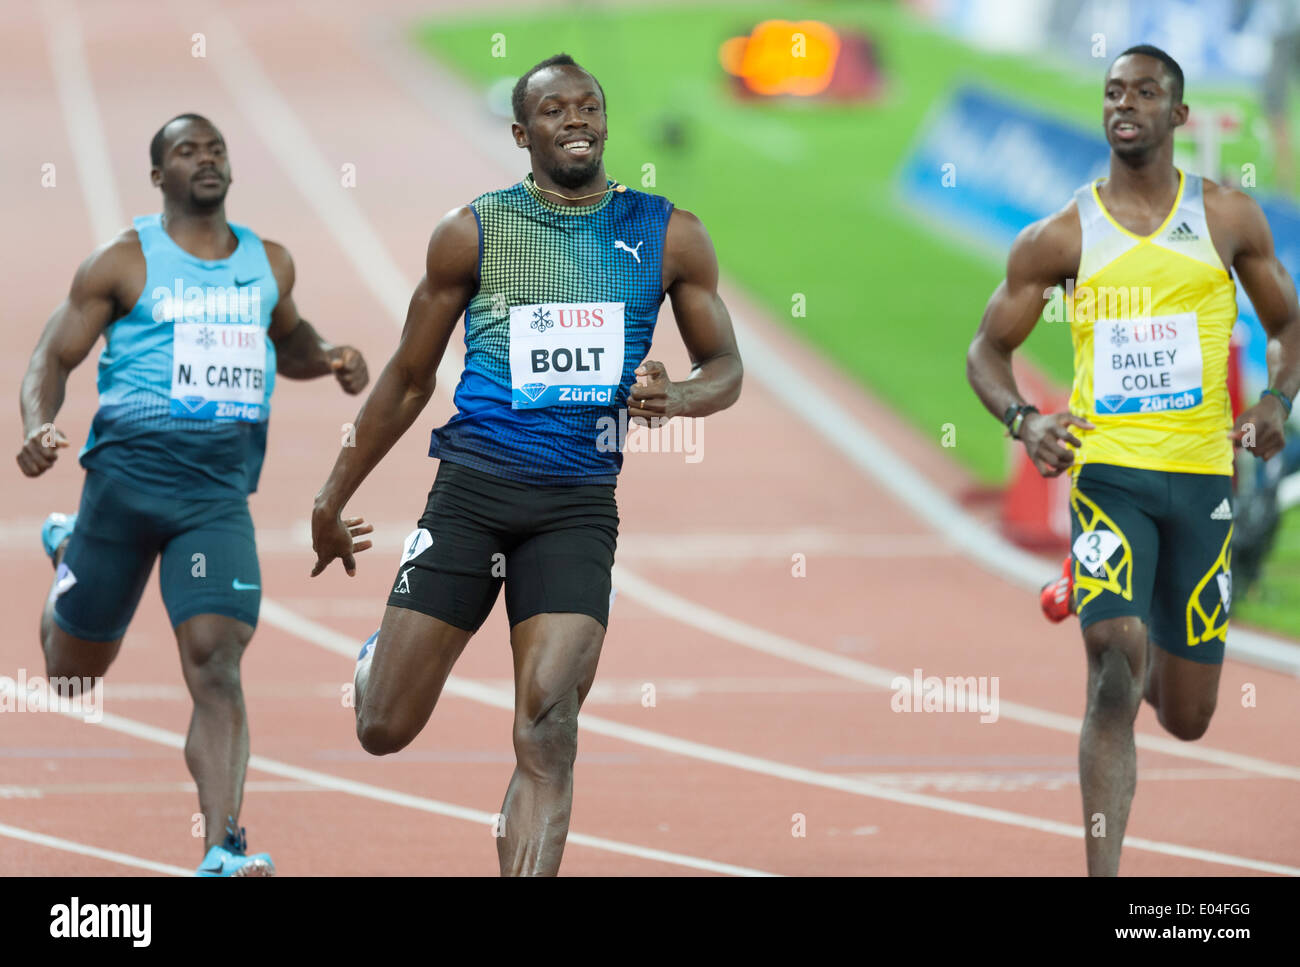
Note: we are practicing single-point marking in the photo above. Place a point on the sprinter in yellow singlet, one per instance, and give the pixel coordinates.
(1146, 257)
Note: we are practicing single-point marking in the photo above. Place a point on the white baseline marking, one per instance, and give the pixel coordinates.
(81, 118)
(112, 856)
(341, 644)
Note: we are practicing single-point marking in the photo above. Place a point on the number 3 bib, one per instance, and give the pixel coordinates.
(569, 352)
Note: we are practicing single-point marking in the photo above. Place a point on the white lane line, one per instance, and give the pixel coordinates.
(684, 550)
(81, 118)
(688, 612)
(137, 788)
(324, 780)
(291, 144)
(331, 640)
(112, 856)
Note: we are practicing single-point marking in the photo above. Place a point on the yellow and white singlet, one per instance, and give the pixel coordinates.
(1151, 318)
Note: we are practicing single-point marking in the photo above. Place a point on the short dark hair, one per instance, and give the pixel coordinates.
(1171, 66)
(521, 85)
(156, 145)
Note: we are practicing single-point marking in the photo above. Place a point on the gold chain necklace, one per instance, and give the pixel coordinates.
(614, 187)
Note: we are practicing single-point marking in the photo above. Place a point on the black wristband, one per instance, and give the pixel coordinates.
(1014, 418)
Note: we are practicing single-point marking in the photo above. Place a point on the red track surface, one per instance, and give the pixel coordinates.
(882, 590)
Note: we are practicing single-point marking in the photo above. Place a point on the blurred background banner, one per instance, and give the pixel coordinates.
(1013, 165)
(1216, 41)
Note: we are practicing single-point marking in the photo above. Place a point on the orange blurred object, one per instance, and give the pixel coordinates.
(783, 57)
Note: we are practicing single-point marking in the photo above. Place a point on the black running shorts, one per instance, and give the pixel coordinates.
(552, 548)
(1155, 546)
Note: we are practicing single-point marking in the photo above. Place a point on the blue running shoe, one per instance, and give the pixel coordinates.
(362, 674)
(56, 529)
(230, 859)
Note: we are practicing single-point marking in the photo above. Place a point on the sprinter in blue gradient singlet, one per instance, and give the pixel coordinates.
(564, 313)
(197, 316)
(560, 278)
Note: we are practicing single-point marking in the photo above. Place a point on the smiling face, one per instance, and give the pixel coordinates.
(195, 171)
(1139, 112)
(564, 127)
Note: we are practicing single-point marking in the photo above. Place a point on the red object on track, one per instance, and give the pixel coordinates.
(1057, 597)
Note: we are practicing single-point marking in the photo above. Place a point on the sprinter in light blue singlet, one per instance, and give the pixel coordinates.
(197, 316)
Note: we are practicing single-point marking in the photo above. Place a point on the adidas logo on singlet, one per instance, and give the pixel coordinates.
(1223, 511)
(1183, 233)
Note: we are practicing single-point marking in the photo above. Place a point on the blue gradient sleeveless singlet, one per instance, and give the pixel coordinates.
(564, 313)
(185, 378)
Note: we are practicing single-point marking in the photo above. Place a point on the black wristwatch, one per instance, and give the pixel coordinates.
(1014, 417)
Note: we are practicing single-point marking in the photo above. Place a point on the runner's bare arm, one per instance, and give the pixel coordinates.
(1043, 256)
(1273, 295)
(691, 276)
(406, 383)
(101, 291)
(300, 351)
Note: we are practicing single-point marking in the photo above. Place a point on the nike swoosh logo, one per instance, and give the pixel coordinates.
(241, 586)
(212, 869)
(255, 278)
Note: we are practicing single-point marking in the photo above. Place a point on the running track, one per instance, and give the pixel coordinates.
(772, 691)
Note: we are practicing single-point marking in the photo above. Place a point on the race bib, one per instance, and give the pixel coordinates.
(565, 352)
(1146, 365)
(219, 372)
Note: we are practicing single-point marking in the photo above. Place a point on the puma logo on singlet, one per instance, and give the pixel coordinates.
(619, 243)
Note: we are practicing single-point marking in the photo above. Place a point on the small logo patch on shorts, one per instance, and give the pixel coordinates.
(1225, 588)
(64, 580)
(403, 583)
